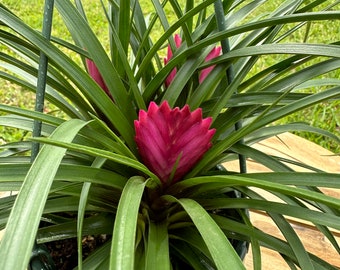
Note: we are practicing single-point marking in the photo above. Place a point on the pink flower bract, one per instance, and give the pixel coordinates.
(96, 76)
(172, 140)
(172, 74)
(216, 51)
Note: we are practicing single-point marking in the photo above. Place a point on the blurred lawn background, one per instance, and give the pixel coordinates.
(325, 115)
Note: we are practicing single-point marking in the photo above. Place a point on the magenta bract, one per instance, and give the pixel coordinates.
(172, 74)
(216, 51)
(96, 76)
(171, 141)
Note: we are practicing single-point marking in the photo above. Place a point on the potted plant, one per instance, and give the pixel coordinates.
(135, 147)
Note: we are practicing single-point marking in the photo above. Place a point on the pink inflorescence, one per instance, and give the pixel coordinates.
(96, 76)
(171, 141)
(216, 51)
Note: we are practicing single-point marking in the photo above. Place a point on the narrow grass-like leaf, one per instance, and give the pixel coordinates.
(269, 206)
(271, 131)
(100, 153)
(211, 183)
(188, 254)
(124, 232)
(31, 114)
(260, 157)
(328, 180)
(73, 173)
(122, 146)
(261, 121)
(267, 240)
(29, 205)
(159, 8)
(292, 81)
(81, 212)
(24, 124)
(124, 26)
(145, 64)
(332, 238)
(96, 258)
(205, 90)
(294, 241)
(122, 52)
(254, 243)
(157, 247)
(54, 78)
(189, 234)
(67, 204)
(93, 225)
(272, 21)
(221, 250)
(177, 86)
(75, 73)
(78, 27)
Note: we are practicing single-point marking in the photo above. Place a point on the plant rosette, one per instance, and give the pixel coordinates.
(141, 120)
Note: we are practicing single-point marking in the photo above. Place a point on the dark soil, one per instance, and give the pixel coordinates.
(64, 252)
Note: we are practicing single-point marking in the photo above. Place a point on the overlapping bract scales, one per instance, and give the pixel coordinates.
(171, 141)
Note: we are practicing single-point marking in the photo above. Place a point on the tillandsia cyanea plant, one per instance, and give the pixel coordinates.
(144, 121)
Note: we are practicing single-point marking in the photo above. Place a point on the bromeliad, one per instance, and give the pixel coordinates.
(171, 141)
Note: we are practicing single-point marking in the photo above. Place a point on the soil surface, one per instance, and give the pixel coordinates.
(64, 252)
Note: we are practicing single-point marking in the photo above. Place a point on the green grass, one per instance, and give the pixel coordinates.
(326, 115)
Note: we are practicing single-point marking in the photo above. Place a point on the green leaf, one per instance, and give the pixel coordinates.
(120, 54)
(124, 26)
(218, 182)
(31, 114)
(254, 243)
(189, 234)
(219, 246)
(81, 211)
(267, 240)
(93, 225)
(27, 210)
(274, 207)
(294, 241)
(25, 76)
(157, 247)
(98, 258)
(77, 75)
(265, 118)
(80, 28)
(270, 131)
(101, 153)
(328, 180)
(177, 87)
(124, 232)
(71, 172)
(268, 22)
(190, 255)
(24, 124)
(260, 157)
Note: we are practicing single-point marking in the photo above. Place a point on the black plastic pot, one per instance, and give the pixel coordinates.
(41, 259)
